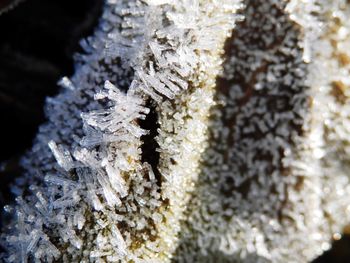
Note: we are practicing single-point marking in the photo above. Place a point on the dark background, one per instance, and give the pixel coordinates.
(37, 41)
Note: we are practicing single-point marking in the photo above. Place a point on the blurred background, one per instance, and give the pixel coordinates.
(37, 41)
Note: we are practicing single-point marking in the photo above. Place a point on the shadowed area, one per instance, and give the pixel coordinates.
(243, 184)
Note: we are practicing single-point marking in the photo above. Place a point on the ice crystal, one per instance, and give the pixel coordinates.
(194, 131)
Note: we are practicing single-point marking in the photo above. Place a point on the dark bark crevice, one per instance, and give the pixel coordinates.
(150, 145)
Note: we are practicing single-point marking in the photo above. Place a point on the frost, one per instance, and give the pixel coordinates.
(66, 83)
(154, 151)
(89, 174)
(62, 156)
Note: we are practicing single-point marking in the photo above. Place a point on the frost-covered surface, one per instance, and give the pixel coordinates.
(274, 185)
(93, 196)
(149, 156)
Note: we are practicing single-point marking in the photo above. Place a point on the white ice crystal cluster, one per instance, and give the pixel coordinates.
(93, 196)
(194, 131)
